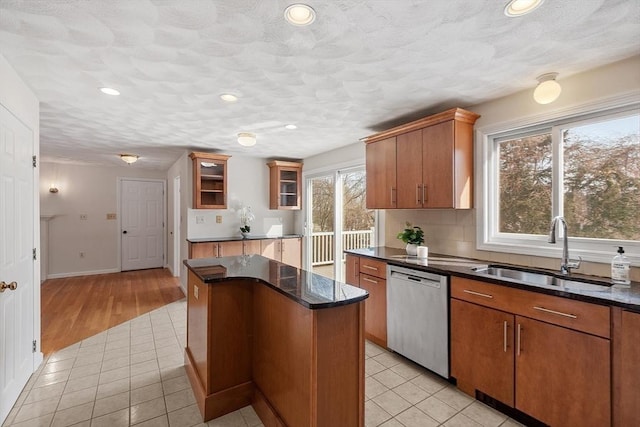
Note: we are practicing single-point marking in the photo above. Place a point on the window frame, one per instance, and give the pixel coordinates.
(488, 238)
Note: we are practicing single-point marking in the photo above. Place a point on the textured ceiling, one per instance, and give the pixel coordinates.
(361, 66)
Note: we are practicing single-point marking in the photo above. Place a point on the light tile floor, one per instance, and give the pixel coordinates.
(133, 374)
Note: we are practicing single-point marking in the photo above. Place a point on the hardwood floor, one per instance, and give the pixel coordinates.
(76, 308)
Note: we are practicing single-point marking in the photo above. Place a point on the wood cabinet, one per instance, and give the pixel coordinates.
(371, 275)
(286, 250)
(433, 163)
(352, 267)
(626, 368)
(285, 186)
(381, 174)
(547, 356)
(220, 249)
(209, 180)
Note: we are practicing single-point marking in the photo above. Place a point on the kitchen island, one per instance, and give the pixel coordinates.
(286, 341)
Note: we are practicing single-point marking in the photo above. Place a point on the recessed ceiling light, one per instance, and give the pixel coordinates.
(228, 97)
(290, 127)
(109, 91)
(299, 14)
(521, 7)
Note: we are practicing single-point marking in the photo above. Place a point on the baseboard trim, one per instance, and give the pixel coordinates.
(82, 273)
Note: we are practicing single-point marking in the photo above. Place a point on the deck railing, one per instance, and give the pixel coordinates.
(322, 244)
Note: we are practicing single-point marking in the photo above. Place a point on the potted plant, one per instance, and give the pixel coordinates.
(413, 236)
(246, 217)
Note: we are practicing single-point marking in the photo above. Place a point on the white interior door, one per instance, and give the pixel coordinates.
(16, 258)
(142, 224)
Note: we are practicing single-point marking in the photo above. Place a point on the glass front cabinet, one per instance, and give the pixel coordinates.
(209, 180)
(285, 185)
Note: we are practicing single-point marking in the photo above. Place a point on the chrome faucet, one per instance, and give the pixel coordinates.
(566, 264)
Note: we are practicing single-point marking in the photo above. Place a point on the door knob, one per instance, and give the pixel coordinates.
(124, 232)
(11, 286)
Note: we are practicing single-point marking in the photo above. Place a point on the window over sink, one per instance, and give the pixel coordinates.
(584, 167)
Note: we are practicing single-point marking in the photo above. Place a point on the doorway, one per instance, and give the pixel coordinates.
(337, 220)
(142, 223)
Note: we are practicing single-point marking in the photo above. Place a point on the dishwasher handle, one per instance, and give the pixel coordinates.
(415, 279)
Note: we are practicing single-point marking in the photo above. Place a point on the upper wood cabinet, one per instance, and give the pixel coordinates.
(285, 185)
(209, 180)
(381, 174)
(432, 163)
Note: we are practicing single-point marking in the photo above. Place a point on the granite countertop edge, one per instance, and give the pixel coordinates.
(195, 264)
(240, 238)
(627, 298)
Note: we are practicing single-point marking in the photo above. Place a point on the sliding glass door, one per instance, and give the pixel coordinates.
(337, 220)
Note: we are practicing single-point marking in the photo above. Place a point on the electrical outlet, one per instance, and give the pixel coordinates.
(195, 292)
(81, 254)
(83, 217)
(111, 216)
(218, 219)
(199, 219)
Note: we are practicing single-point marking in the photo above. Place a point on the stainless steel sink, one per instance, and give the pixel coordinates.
(539, 278)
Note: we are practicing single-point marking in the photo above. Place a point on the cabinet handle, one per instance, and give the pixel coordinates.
(518, 337)
(559, 313)
(220, 251)
(369, 280)
(477, 293)
(418, 188)
(504, 346)
(424, 193)
(393, 200)
(370, 267)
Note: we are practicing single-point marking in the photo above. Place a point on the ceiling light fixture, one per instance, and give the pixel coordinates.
(548, 89)
(109, 91)
(247, 139)
(521, 7)
(299, 14)
(290, 127)
(228, 97)
(129, 158)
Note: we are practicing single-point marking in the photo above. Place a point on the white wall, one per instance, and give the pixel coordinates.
(18, 98)
(179, 168)
(90, 190)
(247, 184)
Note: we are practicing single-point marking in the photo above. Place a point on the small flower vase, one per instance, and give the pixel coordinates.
(245, 234)
(412, 249)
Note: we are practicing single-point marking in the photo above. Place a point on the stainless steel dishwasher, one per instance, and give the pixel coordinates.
(418, 317)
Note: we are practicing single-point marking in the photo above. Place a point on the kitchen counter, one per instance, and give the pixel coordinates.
(628, 298)
(236, 238)
(287, 341)
(306, 288)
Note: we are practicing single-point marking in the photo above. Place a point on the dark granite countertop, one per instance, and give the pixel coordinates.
(628, 298)
(235, 238)
(308, 289)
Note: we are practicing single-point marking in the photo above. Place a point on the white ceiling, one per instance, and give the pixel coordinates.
(362, 66)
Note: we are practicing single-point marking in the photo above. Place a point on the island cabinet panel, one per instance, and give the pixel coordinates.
(563, 378)
(247, 343)
(482, 354)
(626, 368)
(381, 174)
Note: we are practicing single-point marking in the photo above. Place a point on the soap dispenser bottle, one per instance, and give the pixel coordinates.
(620, 268)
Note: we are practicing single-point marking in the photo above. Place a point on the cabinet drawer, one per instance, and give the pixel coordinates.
(582, 316)
(373, 267)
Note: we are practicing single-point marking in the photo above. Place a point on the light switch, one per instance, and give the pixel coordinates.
(83, 217)
(218, 219)
(111, 216)
(199, 219)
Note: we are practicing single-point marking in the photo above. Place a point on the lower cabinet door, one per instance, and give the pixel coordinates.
(375, 309)
(563, 377)
(231, 248)
(482, 350)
